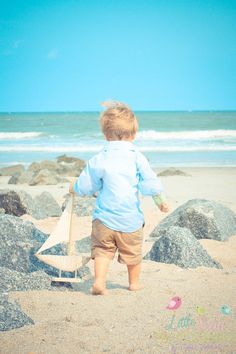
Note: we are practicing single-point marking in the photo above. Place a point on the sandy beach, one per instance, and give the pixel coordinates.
(74, 321)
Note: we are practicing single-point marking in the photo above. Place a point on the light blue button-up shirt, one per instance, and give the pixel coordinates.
(119, 172)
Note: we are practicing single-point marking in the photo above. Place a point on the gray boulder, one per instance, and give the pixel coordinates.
(83, 206)
(172, 172)
(28, 203)
(83, 245)
(65, 166)
(43, 165)
(19, 241)
(20, 203)
(11, 280)
(179, 246)
(11, 170)
(21, 178)
(46, 177)
(14, 179)
(46, 206)
(70, 166)
(11, 315)
(48, 172)
(11, 203)
(69, 159)
(70, 169)
(206, 219)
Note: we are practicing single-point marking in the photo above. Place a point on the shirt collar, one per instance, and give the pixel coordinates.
(119, 144)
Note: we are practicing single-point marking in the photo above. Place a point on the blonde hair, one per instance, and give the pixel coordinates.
(118, 122)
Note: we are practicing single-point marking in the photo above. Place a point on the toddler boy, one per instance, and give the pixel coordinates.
(118, 173)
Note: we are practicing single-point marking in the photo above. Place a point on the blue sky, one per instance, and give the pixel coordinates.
(69, 55)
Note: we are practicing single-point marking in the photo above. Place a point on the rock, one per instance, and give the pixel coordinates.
(206, 219)
(11, 203)
(11, 315)
(23, 178)
(20, 203)
(28, 203)
(34, 167)
(70, 166)
(48, 172)
(83, 206)
(65, 166)
(34, 178)
(179, 246)
(70, 169)
(45, 177)
(2, 211)
(11, 280)
(43, 165)
(11, 170)
(83, 245)
(47, 205)
(19, 241)
(14, 179)
(172, 172)
(84, 272)
(68, 159)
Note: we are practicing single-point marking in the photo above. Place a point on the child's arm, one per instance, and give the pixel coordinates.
(89, 182)
(150, 184)
(161, 201)
(71, 188)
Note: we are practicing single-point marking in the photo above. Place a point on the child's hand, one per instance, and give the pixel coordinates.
(164, 207)
(160, 201)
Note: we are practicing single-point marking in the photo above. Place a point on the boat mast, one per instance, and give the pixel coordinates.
(70, 246)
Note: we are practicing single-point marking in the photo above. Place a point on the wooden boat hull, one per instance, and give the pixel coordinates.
(64, 263)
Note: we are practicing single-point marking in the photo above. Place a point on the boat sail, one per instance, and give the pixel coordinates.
(63, 233)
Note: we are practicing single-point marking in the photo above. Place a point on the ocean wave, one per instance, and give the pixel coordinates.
(96, 148)
(143, 135)
(186, 135)
(13, 163)
(54, 148)
(20, 135)
(186, 148)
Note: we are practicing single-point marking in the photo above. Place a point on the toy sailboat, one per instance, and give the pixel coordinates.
(63, 233)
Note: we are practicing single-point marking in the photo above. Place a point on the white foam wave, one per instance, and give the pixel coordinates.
(186, 135)
(54, 148)
(96, 148)
(19, 135)
(187, 148)
(13, 163)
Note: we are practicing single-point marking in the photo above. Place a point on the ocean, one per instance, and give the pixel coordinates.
(166, 138)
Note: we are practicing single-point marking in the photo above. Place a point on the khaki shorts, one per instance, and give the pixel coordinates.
(106, 241)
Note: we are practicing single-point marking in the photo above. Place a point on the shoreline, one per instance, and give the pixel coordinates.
(26, 164)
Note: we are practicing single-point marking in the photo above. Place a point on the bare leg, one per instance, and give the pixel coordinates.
(134, 272)
(101, 265)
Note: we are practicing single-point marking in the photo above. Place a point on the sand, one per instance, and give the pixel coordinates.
(68, 322)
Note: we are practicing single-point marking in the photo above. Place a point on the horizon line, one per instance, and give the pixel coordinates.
(141, 110)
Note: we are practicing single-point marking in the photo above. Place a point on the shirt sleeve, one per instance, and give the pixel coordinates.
(90, 180)
(149, 183)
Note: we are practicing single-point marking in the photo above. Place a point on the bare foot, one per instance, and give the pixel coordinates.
(135, 287)
(98, 290)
